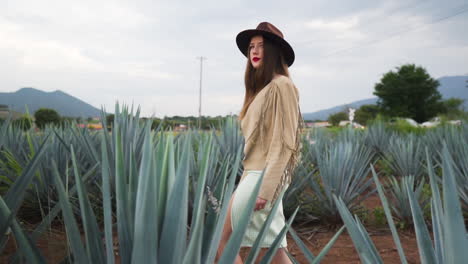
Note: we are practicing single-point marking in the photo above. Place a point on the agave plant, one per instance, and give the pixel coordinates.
(450, 234)
(400, 199)
(349, 134)
(11, 202)
(295, 194)
(376, 136)
(148, 235)
(315, 141)
(457, 144)
(230, 137)
(15, 140)
(434, 139)
(3, 130)
(14, 156)
(145, 185)
(405, 156)
(342, 171)
(458, 149)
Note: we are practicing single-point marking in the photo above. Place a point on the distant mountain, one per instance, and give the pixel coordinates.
(450, 86)
(454, 86)
(63, 103)
(323, 114)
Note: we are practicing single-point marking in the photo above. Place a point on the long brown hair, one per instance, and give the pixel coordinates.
(257, 79)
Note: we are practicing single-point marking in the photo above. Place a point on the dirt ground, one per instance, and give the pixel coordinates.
(54, 246)
(343, 250)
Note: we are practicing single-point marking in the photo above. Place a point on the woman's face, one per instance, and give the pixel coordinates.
(256, 51)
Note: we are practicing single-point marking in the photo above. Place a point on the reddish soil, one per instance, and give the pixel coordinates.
(54, 244)
(54, 247)
(343, 250)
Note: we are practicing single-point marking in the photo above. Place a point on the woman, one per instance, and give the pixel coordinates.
(271, 123)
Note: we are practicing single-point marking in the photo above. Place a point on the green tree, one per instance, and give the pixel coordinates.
(453, 107)
(45, 116)
(409, 92)
(366, 113)
(335, 118)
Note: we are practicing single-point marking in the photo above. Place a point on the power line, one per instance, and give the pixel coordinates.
(393, 12)
(388, 14)
(397, 33)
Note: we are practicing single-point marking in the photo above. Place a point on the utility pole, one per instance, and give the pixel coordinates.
(201, 58)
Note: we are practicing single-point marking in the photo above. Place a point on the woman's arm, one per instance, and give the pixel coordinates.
(284, 105)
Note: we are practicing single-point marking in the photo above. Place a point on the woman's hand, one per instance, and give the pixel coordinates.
(260, 203)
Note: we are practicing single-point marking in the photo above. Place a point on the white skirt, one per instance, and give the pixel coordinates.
(241, 196)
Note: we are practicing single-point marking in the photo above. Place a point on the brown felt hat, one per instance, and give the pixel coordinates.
(269, 31)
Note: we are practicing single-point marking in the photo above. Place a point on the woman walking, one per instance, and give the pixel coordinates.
(271, 124)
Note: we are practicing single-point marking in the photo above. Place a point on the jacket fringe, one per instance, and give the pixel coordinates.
(273, 99)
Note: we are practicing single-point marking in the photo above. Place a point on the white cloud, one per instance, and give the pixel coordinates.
(334, 25)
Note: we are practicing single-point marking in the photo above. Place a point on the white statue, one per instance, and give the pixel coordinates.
(351, 114)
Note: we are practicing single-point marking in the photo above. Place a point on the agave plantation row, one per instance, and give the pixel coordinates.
(165, 196)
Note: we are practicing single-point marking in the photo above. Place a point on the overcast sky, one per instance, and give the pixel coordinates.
(145, 51)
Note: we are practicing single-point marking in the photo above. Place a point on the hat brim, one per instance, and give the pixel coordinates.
(243, 41)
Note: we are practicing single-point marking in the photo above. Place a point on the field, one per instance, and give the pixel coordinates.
(134, 195)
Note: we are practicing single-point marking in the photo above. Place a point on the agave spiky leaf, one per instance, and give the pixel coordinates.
(342, 171)
(27, 247)
(377, 135)
(389, 217)
(295, 192)
(224, 196)
(47, 219)
(230, 137)
(362, 242)
(254, 253)
(124, 221)
(454, 230)
(457, 145)
(315, 141)
(422, 232)
(405, 156)
(173, 236)
(14, 196)
(107, 202)
(398, 192)
(349, 134)
(73, 233)
(307, 254)
(4, 129)
(327, 247)
(94, 249)
(201, 182)
(233, 245)
(274, 246)
(145, 217)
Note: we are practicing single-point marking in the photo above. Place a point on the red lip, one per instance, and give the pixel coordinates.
(256, 59)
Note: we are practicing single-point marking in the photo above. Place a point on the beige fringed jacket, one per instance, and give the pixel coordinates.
(272, 127)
